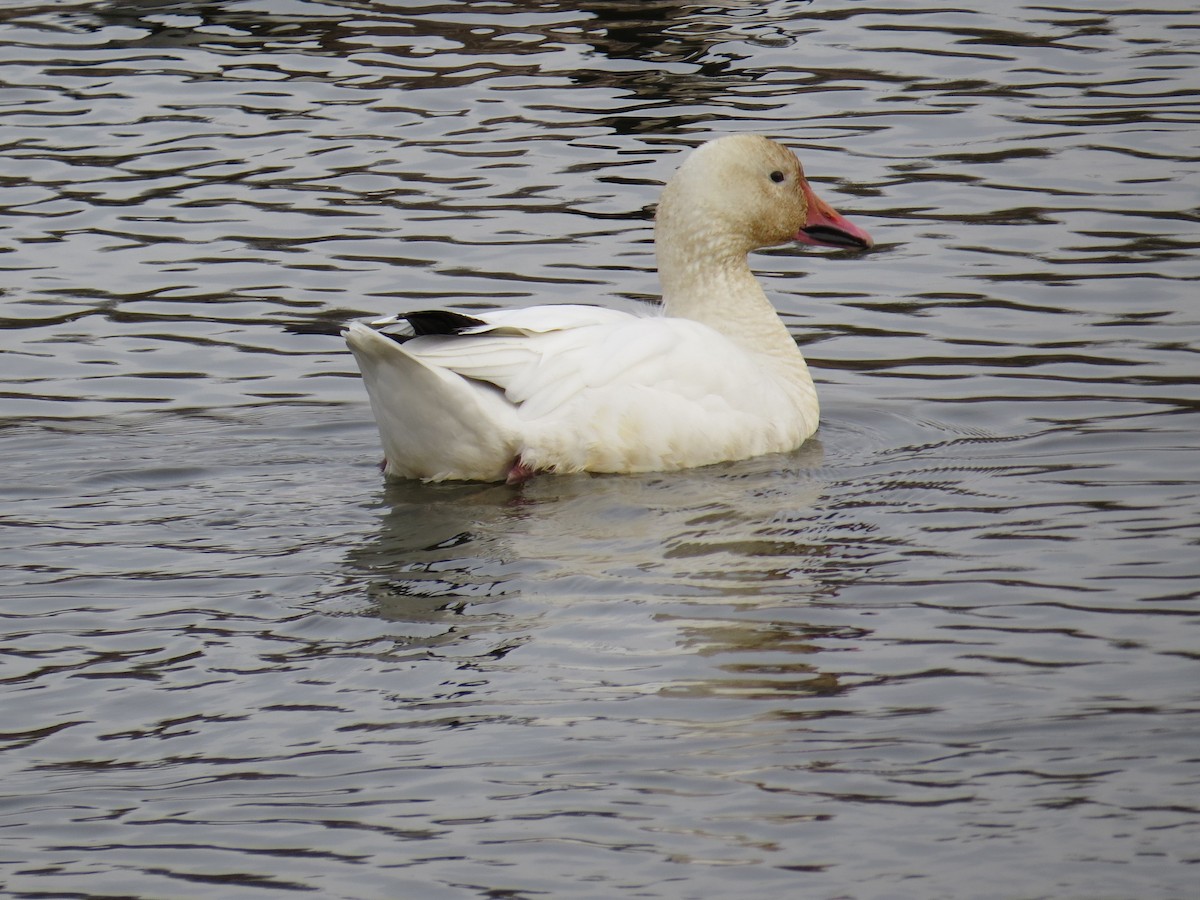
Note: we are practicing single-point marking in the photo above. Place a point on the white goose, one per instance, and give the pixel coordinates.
(504, 395)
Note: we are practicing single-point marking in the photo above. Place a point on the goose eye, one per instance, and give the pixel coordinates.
(778, 176)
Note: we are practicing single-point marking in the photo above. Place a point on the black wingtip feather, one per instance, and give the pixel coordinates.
(327, 328)
(440, 321)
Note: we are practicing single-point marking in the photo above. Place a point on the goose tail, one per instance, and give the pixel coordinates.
(433, 423)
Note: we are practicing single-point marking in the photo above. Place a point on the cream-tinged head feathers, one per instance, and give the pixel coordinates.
(730, 196)
(745, 188)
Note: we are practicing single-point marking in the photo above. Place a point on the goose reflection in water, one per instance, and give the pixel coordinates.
(476, 571)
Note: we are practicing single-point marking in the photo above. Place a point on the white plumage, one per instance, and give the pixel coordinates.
(507, 394)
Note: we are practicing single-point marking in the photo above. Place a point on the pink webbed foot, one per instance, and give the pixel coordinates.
(519, 473)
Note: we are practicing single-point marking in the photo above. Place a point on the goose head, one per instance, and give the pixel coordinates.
(745, 192)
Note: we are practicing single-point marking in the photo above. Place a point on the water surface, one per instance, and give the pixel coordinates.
(946, 649)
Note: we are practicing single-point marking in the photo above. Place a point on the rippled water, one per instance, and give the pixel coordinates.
(947, 649)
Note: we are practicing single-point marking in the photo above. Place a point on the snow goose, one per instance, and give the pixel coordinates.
(507, 394)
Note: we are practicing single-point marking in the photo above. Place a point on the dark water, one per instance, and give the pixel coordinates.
(949, 649)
